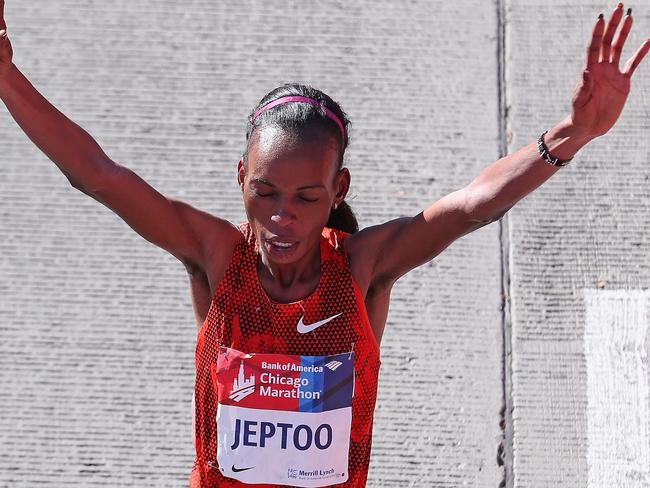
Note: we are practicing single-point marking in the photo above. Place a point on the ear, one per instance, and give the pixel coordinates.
(342, 185)
(241, 174)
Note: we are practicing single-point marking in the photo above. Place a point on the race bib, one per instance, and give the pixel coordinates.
(284, 419)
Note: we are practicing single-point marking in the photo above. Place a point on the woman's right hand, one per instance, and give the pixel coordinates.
(6, 53)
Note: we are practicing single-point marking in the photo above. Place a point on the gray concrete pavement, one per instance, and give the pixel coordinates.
(96, 326)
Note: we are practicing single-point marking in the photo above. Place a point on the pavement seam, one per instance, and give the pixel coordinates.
(505, 455)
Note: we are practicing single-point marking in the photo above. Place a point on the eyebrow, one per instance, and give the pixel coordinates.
(268, 183)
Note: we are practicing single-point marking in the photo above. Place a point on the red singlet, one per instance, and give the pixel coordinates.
(244, 318)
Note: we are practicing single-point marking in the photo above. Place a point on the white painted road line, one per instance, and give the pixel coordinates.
(618, 420)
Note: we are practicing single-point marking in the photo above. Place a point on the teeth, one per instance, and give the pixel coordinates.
(283, 244)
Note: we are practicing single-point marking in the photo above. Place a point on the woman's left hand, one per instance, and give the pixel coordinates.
(599, 97)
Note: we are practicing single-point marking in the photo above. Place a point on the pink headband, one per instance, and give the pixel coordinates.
(298, 98)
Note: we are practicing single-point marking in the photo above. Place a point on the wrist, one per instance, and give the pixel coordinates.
(564, 140)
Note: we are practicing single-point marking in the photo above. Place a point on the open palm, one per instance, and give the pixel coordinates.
(600, 96)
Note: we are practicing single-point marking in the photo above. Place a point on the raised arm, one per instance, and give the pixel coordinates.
(399, 246)
(189, 234)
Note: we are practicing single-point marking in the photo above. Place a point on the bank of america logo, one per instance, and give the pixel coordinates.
(241, 386)
(333, 365)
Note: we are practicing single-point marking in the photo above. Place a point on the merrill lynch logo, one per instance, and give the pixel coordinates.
(242, 386)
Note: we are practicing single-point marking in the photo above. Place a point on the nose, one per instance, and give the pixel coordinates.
(283, 215)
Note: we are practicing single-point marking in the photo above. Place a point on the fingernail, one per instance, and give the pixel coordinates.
(620, 5)
(601, 16)
(629, 11)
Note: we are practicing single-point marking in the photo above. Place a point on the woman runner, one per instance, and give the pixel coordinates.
(292, 304)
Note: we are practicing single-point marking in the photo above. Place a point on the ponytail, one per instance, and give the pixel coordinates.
(343, 218)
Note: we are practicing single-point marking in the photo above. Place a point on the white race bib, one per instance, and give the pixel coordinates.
(284, 419)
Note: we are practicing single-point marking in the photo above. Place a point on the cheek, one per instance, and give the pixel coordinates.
(317, 218)
(257, 208)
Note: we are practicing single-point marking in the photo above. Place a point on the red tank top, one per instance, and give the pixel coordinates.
(243, 317)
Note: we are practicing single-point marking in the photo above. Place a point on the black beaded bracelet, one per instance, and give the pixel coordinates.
(546, 155)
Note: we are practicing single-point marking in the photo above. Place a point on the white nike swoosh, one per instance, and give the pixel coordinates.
(305, 328)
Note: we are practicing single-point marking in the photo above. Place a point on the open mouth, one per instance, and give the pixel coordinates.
(280, 246)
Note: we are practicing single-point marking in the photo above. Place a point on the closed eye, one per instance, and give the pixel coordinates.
(261, 193)
(311, 200)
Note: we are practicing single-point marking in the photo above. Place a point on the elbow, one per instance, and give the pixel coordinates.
(102, 178)
(69, 177)
(79, 187)
(480, 209)
(501, 215)
(483, 221)
(74, 183)
(498, 216)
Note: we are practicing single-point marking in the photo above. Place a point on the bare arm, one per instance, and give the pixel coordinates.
(399, 246)
(72, 149)
(189, 234)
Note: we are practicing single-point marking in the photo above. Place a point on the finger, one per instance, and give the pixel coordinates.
(635, 60)
(610, 30)
(621, 37)
(593, 51)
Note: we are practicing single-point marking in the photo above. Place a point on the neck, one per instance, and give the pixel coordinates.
(291, 282)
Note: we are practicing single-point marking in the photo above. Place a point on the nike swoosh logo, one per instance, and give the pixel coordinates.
(237, 470)
(305, 328)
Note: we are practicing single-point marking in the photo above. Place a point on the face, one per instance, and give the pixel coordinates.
(289, 187)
